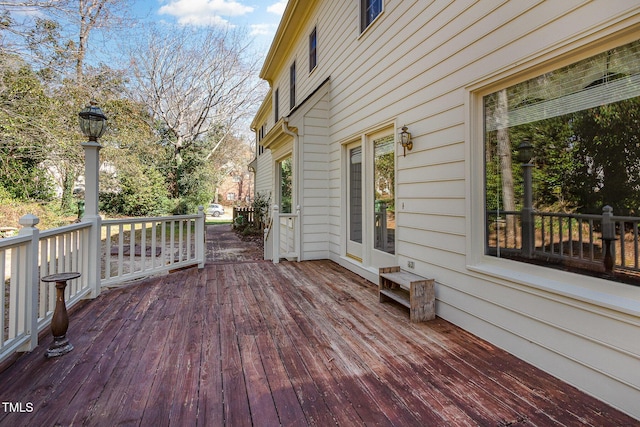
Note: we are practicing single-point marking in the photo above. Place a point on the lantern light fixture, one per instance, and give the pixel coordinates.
(405, 140)
(92, 121)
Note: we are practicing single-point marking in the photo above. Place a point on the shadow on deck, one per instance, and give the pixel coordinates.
(248, 342)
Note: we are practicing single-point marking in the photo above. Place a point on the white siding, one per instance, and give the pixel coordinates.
(315, 182)
(264, 175)
(421, 64)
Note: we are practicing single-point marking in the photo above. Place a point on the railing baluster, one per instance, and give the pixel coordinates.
(635, 244)
(188, 241)
(143, 246)
(173, 233)
(622, 251)
(181, 240)
(14, 293)
(3, 290)
(132, 248)
(107, 252)
(543, 235)
(120, 249)
(163, 241)
(551, 235)
(154, 244)
(570, 226)
(560, 236)
(591, 248)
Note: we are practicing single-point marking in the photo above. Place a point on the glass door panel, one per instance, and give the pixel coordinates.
(354, 202)
(384, 218)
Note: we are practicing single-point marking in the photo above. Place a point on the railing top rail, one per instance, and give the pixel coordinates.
(148, 219)
(64, 229)
(625, 218)
(10, 242)
(501, 212)
(568, 215)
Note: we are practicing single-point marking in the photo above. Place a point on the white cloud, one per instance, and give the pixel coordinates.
(263, 29)
(278, 8)
(204, 12)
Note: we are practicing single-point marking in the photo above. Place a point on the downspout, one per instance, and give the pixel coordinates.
(297, 184)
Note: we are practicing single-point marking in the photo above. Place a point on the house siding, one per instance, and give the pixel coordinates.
(264, 175)
(423, 64)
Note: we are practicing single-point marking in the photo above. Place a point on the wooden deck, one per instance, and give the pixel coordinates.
(247, 342)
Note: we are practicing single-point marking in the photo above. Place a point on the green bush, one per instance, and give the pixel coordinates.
(142, 193)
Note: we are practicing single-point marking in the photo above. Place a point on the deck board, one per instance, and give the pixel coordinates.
(248, 342)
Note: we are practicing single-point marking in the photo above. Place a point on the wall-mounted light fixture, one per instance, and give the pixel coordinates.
(405, 140)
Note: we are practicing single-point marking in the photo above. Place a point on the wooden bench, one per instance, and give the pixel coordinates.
(410, 290)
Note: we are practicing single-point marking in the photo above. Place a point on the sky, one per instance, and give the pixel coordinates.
(260, 17)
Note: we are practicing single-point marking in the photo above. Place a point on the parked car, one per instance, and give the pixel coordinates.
(215, 210)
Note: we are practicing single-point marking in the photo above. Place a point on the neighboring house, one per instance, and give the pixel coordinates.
(346, 76)
(237, 188)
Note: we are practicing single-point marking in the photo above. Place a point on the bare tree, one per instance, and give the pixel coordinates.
(58, 31)
(504, 153)
(196, 83)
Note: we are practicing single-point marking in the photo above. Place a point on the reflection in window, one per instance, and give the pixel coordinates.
(313, 43)
(369, 10)
(292, 85)
(355, 194)
(384, 196)
(582, 121)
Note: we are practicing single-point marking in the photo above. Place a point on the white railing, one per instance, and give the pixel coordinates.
(62, 250)
(27, 303)
(139, 247)
(17, 324)
(285, 235)
(583, 239)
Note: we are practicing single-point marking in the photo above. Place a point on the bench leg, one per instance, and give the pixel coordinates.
(423, 306)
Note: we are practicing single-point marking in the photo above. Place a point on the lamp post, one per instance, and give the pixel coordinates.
(525, 154)
(93, 124)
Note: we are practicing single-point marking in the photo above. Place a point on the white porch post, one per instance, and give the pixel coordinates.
(276, 234)
(29, 283)
(200, 237)
(91, 192)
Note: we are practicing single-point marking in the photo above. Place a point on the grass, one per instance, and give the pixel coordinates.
(213, 220)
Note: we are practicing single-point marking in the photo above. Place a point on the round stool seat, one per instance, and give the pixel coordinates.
(60, 277)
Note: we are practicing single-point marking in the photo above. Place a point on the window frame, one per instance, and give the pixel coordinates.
(313, 49)
(276, 105)
(292, 85)
(364, 25)
(518, 274)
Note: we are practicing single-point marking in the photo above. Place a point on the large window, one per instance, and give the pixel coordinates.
(583, 124)
(313, 45)
(369, 11)
(292, 85)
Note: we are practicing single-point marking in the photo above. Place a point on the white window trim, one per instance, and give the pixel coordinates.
(315, 29)
(592, 292)
(363, 31)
